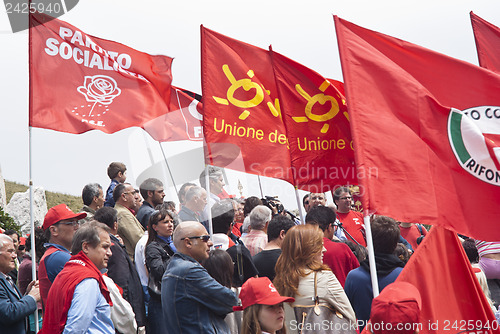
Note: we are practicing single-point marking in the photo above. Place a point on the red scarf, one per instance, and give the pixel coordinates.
(78, 268)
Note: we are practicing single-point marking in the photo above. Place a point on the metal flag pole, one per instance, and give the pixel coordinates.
(209, 212)
(371, 256)
(32, 225)
(299, 205)
(32, 219)
(260, 186)
(169, 171)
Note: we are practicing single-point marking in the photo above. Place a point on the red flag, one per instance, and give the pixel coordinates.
(487, 38)
(79, 82)
(241, 110)
(418, 120)
(317, 124)
(452, 299)
(183, 122)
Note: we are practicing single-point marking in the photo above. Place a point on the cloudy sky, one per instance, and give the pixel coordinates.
(301, 30)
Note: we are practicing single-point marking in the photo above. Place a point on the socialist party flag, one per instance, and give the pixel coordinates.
(452, 299)
(423, 125)
(182, 122)
(241, 113)
(317, 124)
(487, 37)
(80, 82)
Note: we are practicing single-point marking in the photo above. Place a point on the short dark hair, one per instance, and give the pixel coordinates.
(40, 240)
(89, 233)
(90, 191)
(336, 194)
(250, 203)
(12, 232)
(222, 216)
(276, 225)
(470, 248)
(118, 191)
(150, 184)
(114, 168)
(323, 216)
(306, 197)
(385, 233)
(106, 215)
(402, 252)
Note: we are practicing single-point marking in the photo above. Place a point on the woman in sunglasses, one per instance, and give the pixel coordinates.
(159, 249)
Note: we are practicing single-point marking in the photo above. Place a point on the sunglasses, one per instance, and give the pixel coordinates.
(203, 238)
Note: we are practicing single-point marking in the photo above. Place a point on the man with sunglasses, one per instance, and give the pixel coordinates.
(59, 225)
(193, 302)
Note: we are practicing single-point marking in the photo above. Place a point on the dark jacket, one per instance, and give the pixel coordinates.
(144, 213)
(197, 302)
(122, 271)
(14, 310)
(158, 254)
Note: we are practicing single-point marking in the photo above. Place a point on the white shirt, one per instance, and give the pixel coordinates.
(140, 259)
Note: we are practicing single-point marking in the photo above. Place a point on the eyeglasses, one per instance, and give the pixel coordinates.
(129, 192)
(203, 238)
(74, 223)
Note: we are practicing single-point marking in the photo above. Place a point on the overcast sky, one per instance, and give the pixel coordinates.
(301, 30)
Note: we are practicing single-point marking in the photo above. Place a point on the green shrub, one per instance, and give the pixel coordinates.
(7, 222)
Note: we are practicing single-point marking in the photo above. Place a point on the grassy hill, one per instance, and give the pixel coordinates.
(53, 198)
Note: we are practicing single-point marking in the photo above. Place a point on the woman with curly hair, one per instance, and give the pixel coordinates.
(300, 262)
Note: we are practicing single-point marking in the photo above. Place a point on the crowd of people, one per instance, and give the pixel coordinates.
(132, 262)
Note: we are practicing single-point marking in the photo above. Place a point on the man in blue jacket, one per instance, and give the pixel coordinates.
(193, 302)
(14, 308)
(358, 287)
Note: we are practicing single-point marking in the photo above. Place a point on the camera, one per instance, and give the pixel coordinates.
(272, 202)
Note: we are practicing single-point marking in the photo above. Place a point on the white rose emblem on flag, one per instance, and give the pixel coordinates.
(99, 89)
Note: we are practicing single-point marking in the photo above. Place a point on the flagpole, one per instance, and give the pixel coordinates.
(32, 224)
(260, 187)
(207, 187)
(227, 181)
(371, 256)
(169, 171)
(299, 205)
(32, 219)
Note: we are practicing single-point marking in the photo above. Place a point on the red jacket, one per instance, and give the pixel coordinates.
(78, 268)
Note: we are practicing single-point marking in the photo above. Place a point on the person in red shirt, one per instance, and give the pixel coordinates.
(338, 256)
(352, 221)
(411, 233)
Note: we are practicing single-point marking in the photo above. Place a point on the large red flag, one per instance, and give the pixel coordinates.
(79, 82)
(487, 38)
(421, 122)
(241, 113)
(317, 125)
(452, 299)
(183, 122)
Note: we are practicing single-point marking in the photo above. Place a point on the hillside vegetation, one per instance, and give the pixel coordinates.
(53, 198)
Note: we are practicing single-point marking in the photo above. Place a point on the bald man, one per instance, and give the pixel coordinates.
(194, 302)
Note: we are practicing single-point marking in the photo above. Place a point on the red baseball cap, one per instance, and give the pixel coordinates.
(398, 304)
(58, 213)
(260, 291)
